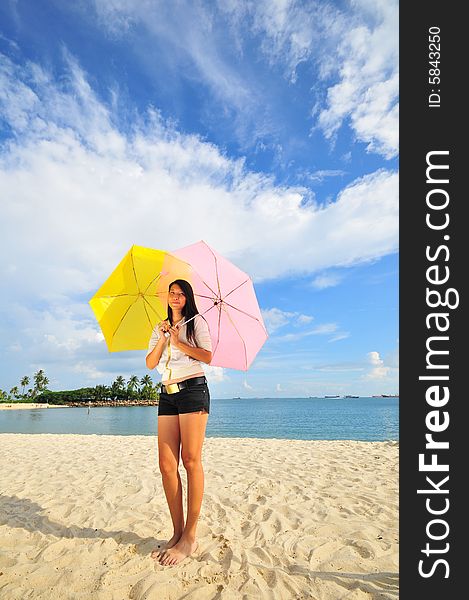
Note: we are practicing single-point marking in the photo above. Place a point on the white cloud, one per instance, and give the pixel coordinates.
(274, 318)
(323, 329)
(56, 330)
(73, 343)
(305, 319)
(355, 49)
(279, 388)
(215, 374)
(289, 30)
(321, 175)
(340, 336)
(247, 386)
(102, 191)
(89, 371)
(187, 39)
(77, 192)
(326, 280)
(378, 369)
(366, 94)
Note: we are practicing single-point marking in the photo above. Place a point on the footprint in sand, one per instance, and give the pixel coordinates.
(362, 551)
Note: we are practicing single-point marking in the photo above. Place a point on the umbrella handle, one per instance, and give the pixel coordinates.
(192, 318)
(167, 334)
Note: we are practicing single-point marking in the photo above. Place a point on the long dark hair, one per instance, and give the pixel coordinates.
(189, 310)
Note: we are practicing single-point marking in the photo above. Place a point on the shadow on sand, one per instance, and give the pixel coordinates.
(25, 514)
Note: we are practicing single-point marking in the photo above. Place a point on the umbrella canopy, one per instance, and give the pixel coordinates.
(225, 296)
(134, 298)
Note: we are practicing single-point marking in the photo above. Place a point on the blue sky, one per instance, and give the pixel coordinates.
(267, 129)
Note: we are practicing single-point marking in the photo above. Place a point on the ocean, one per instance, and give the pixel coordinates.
(363, 419)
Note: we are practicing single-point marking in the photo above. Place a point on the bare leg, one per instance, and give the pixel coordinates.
(169, 440)
(192, 428)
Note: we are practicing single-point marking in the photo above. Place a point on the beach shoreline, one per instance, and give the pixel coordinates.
(22, 405)
(80, 515)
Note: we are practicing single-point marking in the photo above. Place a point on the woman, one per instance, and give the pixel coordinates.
(178, 351)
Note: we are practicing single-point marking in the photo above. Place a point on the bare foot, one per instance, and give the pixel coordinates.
(178, 552)
(158, 552)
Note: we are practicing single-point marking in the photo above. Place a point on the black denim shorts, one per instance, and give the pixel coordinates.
(188, 400)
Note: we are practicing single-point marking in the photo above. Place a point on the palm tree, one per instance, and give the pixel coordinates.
(24, 382)
(132, 384)
(101, 392)
(40, 382)
(146, 380)
(118, 388)
(146, 384)
(156, 390)
(115, 391)
(14, 392)
(120, 382)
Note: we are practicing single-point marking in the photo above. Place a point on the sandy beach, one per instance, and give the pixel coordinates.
(80, 514)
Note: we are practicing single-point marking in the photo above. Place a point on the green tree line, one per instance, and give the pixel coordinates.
(119, 390)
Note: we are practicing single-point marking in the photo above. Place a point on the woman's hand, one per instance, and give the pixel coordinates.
(174, 333)
(163, 328)
(155, 355)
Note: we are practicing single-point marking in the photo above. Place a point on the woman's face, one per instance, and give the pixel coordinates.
(176, 297)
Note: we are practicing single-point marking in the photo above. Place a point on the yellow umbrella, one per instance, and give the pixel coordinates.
(134, 298)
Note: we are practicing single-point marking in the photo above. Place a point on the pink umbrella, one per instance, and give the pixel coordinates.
(225, 296)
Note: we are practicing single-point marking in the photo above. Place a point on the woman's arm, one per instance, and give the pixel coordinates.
(153, 358)
(198, 353)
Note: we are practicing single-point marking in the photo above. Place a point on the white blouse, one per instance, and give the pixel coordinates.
(174, 364)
